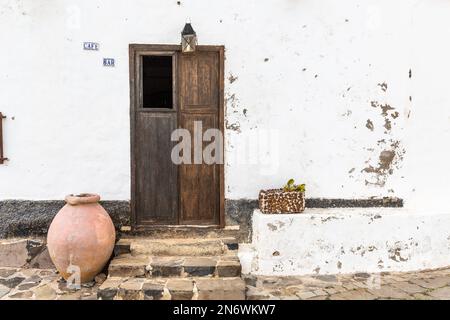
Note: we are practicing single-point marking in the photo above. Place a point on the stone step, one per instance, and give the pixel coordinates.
(192, 288)
(145, 266)
(176, 247)
(180, 232)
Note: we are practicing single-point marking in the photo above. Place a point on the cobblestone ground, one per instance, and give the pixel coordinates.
(433, 284)
(38, 284)
(424, 285)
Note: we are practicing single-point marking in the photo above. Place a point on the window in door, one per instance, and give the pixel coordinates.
(157, 82)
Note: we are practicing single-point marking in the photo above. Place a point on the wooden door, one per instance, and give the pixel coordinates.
(199, 96)
(154, 175)
(164, 193)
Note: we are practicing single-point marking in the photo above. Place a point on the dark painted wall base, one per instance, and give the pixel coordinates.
(354, 203)
(22, 218)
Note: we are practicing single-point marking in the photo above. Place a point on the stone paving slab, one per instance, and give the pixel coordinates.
(423, 285)
(34, 284)
(41, 284)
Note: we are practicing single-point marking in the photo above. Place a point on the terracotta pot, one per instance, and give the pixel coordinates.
(81, 235)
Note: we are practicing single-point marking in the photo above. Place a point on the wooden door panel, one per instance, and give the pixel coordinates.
(199, 183)
(199, 81)
(156, 186)
(198, 194)
(200, 91)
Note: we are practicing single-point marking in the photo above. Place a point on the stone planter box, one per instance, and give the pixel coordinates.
(280, 201)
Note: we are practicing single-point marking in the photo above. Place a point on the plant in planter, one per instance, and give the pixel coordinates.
(289, 199)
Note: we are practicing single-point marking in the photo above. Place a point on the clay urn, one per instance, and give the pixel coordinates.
(81, 238)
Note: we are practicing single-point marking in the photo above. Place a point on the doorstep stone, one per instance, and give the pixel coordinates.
(128, 266)
(199, 266)
(230, 257)
(178, 247)
(180, 289)
(122, 247)
(166, 266)
(228, 268)
(230, 243)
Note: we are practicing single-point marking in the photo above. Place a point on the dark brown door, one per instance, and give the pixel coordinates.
(172, 90)
(199, 101)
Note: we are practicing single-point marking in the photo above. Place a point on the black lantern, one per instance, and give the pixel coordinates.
(188, 39)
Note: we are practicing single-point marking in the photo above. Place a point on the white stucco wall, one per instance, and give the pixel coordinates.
(344, 240)
(306, 70)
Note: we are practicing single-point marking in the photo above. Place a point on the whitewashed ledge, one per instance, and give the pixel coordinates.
(346, 240)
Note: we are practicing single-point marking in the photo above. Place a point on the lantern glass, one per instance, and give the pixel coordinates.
(188, 39)
(188, 43)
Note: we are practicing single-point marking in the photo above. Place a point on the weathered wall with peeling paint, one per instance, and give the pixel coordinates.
(350, 97)
(331, 241)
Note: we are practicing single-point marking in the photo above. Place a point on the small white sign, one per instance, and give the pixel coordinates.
(90, 46)
(109, 62)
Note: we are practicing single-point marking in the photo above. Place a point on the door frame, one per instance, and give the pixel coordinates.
(136, 50)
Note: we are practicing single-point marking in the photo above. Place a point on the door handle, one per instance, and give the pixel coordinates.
(2, 159)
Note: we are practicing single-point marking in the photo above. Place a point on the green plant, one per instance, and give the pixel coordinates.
(290, 186)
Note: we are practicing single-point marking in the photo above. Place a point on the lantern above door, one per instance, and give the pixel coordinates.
(188, 39)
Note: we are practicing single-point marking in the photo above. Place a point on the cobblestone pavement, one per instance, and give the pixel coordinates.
(39, 284)
(432, 284)
(424, 285)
